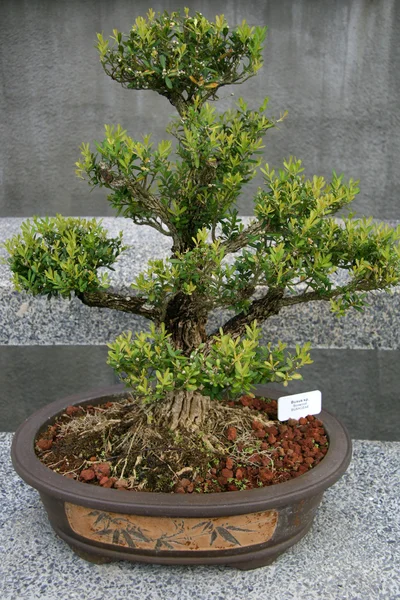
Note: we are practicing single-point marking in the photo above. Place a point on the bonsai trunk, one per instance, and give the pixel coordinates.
(184, 410)
(185, 320)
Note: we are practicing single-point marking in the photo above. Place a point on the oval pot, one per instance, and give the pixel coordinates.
(246, 529)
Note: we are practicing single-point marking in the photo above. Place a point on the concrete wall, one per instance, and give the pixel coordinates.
(334, 64)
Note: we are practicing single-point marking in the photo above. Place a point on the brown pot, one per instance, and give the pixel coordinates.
(246, 529)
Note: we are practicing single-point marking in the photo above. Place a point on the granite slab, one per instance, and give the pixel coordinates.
(350, 553)
(27, 320)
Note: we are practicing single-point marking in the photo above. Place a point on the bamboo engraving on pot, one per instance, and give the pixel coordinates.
(172, 533)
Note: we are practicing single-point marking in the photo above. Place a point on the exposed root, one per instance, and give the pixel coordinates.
(186, 433)
(184, 410)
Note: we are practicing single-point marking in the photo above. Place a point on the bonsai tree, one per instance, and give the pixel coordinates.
(179, 369)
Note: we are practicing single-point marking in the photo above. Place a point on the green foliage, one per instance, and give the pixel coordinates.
(57, 256)
(302, 244)
(182, 55)
(218, 156)
(200, 273)
(231, 366)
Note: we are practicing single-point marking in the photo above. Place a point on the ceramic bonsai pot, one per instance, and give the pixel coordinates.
(246, 529)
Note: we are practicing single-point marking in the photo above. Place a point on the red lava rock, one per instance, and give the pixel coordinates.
(93, 458)
(246, 400)
(257, 403)
(303, 468)
(213, 471)
(265, 461)
(229, 463)
(222, 480)
(256, 425)
(309, 460)
(239, 474)
(110, 482)
(260, 433)
(87, 474)
(272, 430)
(102, 470)
(232, 487)
(69, 476)
(184, 483)
(292, 422)
(71, 410)
(228, 473)
(310, 418)
(266, 474)
(264, 446)
(231, 434)
(44, 444)
(108, 404)
(271, 439)
(103, 480)
(190, 488)
(303, 421)
(254, 458)
(180, 490)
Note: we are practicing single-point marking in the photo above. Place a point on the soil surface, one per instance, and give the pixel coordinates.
(84, 443)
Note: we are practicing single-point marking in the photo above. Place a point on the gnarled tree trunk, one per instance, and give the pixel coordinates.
(185, 319)
(184, 410)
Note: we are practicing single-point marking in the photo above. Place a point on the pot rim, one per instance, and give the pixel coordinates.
(46, 481)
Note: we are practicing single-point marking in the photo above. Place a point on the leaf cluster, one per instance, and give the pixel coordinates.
(182, 56)
(153, 366)
(59, 255)
(216, 156)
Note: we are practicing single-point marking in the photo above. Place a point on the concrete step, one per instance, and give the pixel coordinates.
(351, 551)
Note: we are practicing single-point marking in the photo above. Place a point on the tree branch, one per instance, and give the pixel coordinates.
(241, 240)
(361, 286)
(270, 304)
(259, 310)
(131, 304)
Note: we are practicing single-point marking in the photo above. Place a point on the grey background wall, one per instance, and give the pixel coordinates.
(334, 64)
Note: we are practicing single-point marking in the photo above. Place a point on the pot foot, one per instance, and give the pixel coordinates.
(248, 565)
(89, 557)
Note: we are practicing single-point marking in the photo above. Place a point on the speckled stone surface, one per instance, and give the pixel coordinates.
(351, 552)
(25, 320)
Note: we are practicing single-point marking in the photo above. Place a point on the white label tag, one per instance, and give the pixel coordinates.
(299, 405)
